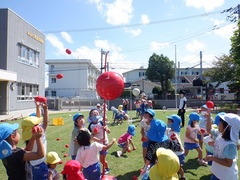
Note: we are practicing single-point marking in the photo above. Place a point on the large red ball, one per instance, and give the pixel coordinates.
(210, 104)
(59, 76)
(110, 85)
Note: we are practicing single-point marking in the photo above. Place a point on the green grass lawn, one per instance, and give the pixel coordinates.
(123, 168)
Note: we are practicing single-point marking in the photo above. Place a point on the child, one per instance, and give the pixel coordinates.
(88, 155)
(13, 157)
(38, 167)
(72, 171)
(93, 114)
(166, 167)
(125, 140)
(202, 124)
(52, 161)
(157, 138)
(190, 139)
(125, 105)
(224, 156)
(79, 122)
(99, 133)
(145, 126)
(149, 104)
(173, 124)
(138, 108)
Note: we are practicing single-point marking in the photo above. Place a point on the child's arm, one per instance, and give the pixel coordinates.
(38, 111)
(29, 156)
(209, 122)
(45, 116)
(188, 132)
(30, 144)
(224, 162)
(106, 147)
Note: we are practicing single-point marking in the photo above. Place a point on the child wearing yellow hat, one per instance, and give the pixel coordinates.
(166, 167)
(52, 161)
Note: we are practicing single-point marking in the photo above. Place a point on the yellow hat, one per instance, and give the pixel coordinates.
(52, 158)
(27, 124)
(167, 167)
(120, 107)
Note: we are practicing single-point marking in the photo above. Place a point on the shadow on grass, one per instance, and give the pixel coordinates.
(206, 177)
(191, 164)
(128, 175)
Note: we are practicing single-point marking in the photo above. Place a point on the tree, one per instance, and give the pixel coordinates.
(161, 69)
(223, 70)
(235, 49)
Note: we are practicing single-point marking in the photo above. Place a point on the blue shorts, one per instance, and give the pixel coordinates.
(103, 152)
(181, 158)
(200, 137)
(145, 144)
(121, 145)
(92, 172)
(191, 146)
(138, 110)
(40, 171)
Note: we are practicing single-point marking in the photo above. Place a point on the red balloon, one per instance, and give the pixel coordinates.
(40, 99)
(59, 76)
(110, 85)
(68, 51)
(210, 104)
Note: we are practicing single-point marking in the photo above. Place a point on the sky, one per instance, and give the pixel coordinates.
(131, 30)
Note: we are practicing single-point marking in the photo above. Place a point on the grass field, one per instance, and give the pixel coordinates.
(123, 168)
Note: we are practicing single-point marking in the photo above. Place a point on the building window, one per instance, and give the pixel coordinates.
(54, 93)
(28, 56)
(141, 74)
(53, 80)
(26, 91)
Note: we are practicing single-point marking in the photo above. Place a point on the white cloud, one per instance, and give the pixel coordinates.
(67, 37)
(208, 5)
(155, 46)
(117, 13)
(145, 19)
(194, 46)
(225, 31)
(133, 32)
(55, 42)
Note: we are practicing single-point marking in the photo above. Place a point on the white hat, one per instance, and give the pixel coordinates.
(233, 121)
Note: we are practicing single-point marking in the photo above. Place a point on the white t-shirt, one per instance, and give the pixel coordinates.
(203, 122)
(168, 132)
(145, 126)
(220, 171)
(182, 102)
(89, 155)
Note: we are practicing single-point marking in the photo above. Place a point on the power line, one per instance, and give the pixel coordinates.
(132, 25)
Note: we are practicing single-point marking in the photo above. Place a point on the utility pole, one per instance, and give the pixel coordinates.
(201, 76)
(103, 53)
(176, 75)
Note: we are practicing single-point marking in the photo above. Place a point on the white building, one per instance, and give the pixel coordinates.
(79, 78)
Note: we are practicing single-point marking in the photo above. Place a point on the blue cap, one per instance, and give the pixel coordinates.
(131, 130)
(176, 122)
(33, 114)
(217, 117)
(76, 116)
(157, 130)
(150, 111)
(193, 116)
(6, 130)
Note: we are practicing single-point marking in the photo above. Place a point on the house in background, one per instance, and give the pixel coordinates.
(22, 64)
(79, 78)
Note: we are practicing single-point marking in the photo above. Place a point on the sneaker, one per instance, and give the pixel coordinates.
(119, 153)
(203, 163)
(107, 171)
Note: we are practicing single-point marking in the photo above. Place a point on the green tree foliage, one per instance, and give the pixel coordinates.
(223, 70)
(235, 49)
(161, 69)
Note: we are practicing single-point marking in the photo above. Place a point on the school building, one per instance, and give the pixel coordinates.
(22, 63)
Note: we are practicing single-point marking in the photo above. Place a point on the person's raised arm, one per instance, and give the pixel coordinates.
(45, 116)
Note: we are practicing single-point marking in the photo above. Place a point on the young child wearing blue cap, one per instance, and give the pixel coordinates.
(173, 132)
(79, 122)
(157, 138)
(125, 140)
(14, 158)
(190, 139)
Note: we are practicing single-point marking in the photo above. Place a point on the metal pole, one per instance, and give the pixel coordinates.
(201, 77)
(176, 75)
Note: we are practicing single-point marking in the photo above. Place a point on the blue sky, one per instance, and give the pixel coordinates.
(131, 30)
